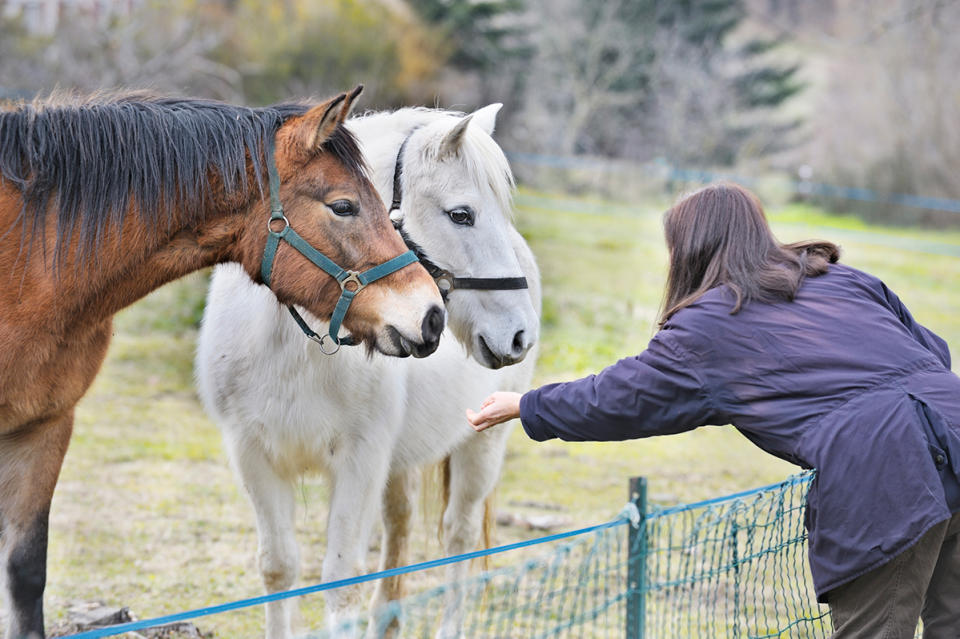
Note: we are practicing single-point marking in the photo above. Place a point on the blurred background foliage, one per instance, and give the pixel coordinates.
(861, 93)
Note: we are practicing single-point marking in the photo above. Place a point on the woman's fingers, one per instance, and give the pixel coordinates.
(496, 409)
(477, 420)
(482, 420)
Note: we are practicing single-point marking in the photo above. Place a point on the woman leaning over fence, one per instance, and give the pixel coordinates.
(817, 363)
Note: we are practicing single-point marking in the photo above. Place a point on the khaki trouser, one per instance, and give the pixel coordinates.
(921, 582)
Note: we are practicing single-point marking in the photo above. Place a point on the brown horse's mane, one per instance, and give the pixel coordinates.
(88, 159)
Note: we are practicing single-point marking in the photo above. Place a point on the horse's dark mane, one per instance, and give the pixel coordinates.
(93, 158)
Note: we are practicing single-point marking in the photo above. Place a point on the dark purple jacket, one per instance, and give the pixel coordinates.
(842, 379)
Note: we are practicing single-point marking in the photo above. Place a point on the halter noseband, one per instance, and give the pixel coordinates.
(351, 282)
(446, 281)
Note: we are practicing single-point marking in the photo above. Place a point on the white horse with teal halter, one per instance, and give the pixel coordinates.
(369, 423)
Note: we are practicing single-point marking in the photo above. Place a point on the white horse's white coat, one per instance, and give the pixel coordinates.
(370, 422)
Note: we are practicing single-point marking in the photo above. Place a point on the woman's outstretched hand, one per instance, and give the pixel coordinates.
(500, 407)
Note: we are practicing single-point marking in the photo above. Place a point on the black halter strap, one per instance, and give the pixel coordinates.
(398, 171)
(446, 281)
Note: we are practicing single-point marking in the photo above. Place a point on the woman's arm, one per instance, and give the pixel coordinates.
(654, 393)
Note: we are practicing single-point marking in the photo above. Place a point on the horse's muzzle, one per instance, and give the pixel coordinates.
(430, 331)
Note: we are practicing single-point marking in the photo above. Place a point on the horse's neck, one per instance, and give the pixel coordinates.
(125, 267)
(187, 249)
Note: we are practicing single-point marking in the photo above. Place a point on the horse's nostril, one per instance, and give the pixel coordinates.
(432, 324)
(518, 345)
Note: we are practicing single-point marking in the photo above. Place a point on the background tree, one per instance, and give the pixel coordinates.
(487, 44)
(238, 50)
(170, 48)
(302, 48)
(638, 78)
(699, 82)
(478, 34)
(888, 116)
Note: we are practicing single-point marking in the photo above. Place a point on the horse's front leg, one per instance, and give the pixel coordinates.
(474, 469)
(399, 501)
(358, 477)
(30, 461)
(272, 498)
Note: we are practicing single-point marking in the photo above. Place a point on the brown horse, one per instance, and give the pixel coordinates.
(104, 200)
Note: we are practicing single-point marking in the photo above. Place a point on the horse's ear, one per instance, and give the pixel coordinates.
(348, 102)
(321, 121)
(487, 117)
(450, 145)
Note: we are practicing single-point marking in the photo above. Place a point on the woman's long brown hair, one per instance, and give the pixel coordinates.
(720, 235)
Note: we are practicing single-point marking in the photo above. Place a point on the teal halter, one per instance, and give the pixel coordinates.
(343, 276)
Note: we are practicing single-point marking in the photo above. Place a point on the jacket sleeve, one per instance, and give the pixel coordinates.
(655, 393)
(927, 338)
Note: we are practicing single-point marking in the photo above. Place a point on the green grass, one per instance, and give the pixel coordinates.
(148, 515)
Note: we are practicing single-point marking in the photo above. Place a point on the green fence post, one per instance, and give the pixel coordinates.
(637, 562)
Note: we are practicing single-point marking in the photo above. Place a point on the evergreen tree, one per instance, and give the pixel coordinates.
(479, 34)
(757, 85)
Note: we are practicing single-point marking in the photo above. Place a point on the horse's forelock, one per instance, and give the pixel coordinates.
(483, 158)
(343, 145)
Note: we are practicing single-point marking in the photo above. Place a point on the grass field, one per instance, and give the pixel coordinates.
(148, 515)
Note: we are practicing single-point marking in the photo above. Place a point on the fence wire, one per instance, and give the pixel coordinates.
(574, 590)
(730, 567)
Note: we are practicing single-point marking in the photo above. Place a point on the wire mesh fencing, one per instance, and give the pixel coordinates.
(730, 567)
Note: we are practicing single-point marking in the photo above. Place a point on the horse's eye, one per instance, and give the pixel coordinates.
(343, 208)
(462, 215)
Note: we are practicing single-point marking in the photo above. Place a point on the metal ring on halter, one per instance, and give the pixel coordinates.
(445, 281)
(283, 218)
(323, 349)
(352, 276)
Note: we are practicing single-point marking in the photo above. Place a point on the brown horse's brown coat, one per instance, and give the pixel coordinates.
(55, 323)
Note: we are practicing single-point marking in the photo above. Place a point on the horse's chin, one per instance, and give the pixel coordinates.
(476, 347)
(486, 357)
(475, 338)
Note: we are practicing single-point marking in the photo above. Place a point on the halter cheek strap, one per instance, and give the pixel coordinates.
(351, 282)
(447, 281)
